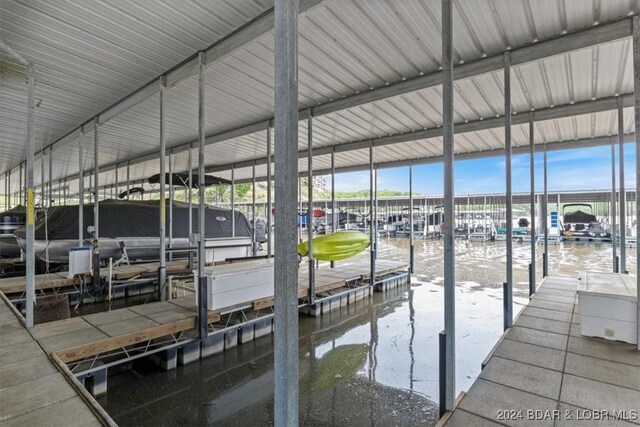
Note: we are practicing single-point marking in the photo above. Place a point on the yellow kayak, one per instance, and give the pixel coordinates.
(336, 246)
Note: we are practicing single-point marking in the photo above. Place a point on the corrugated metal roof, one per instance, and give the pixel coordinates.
(88, 55)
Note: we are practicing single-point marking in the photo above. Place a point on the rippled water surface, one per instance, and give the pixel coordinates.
(373, 363)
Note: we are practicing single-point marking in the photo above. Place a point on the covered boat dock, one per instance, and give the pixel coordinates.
(98, 96)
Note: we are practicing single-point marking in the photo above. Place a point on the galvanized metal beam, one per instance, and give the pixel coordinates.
(565, 43)
(545, 214)
(636, 86)
(269, 189)
(162, 272)
(614, 199)
(560, 111)
(623, 198)
(203, 287)
(334, 217)
(411, 237)
(30, 288)
(81, 189)
(508, 298)
(286, 263)
(449, 209)
(532, 180)
(312, 270)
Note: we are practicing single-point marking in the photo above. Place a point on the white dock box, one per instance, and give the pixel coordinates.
(79, 260)
(607, 304)
(239, 283)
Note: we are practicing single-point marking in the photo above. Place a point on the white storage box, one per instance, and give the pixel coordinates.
(607, 304)
(232, 285)
(79, 260)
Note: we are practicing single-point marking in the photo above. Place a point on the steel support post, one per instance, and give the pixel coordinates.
(449, 248)
(170, 204)
(233, 202)
(190, 203)
(411, 239)
(202, 280)
(508, 297)
(532, 207)
(162, 272)
(269, 190)
(23, 184)
(253, 207)
(636, 86)
(30, 262)
(50, 180)
(623, 193)
(613, 215)
(286, 263)
(334, 217)
(372, 236)
(81, 188)
(128, 178)
(312, 270)
(545, 215)
(96, 206)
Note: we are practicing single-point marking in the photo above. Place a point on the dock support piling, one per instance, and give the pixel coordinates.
(286, 263)
(190, 204)
(532, 207)
(312, 270)
(163, 198)
(508, 294)
(545, 219)
(96, 206)
(448, 207)
(372, 245)
(622, 197)
(442, 369)
(269, 190)
(334, 217)
(80, 189)
(411, 239)
(612, 212)
(233, 202)
(202, 280)
(172, 194)
(253, 207)
(30, 267)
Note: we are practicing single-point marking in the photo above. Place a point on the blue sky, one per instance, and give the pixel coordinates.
(568, 170)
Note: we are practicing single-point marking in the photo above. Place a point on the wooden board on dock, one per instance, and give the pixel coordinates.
(543, 364)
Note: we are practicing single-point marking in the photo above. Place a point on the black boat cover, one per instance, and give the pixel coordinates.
(182, 180)
(136, 218)
(579, 217)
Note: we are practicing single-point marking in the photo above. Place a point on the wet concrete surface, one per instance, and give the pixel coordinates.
(374, 363)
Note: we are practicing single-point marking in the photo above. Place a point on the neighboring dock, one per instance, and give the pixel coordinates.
(33, 390)
(544, 373)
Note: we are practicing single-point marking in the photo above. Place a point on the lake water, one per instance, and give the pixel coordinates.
(373, 363)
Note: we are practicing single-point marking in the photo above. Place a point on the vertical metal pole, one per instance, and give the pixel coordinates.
(162, 272)
(269, 204)
(253, 206)
(532, 208)
(81, 189)
(233, 202)
(43, 197)
(190, 204)
(411, 238)
(372, 246)
(22, 185)
(375, 212)
(96, 205)
(613, 215)
(544, 219)
(623, 193)
(170, 202)
(202, 280)
(312, 279)
(128, 178)
(30, 266)
(286, 263)
(334, 217)
(636, 86)
(508, 315)
(449, 254)
(117, 182)
(50, 181)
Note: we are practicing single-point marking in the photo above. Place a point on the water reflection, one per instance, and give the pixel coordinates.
(372, 363)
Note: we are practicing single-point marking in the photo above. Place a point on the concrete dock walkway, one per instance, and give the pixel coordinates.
(33, 391)
(544, 373)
